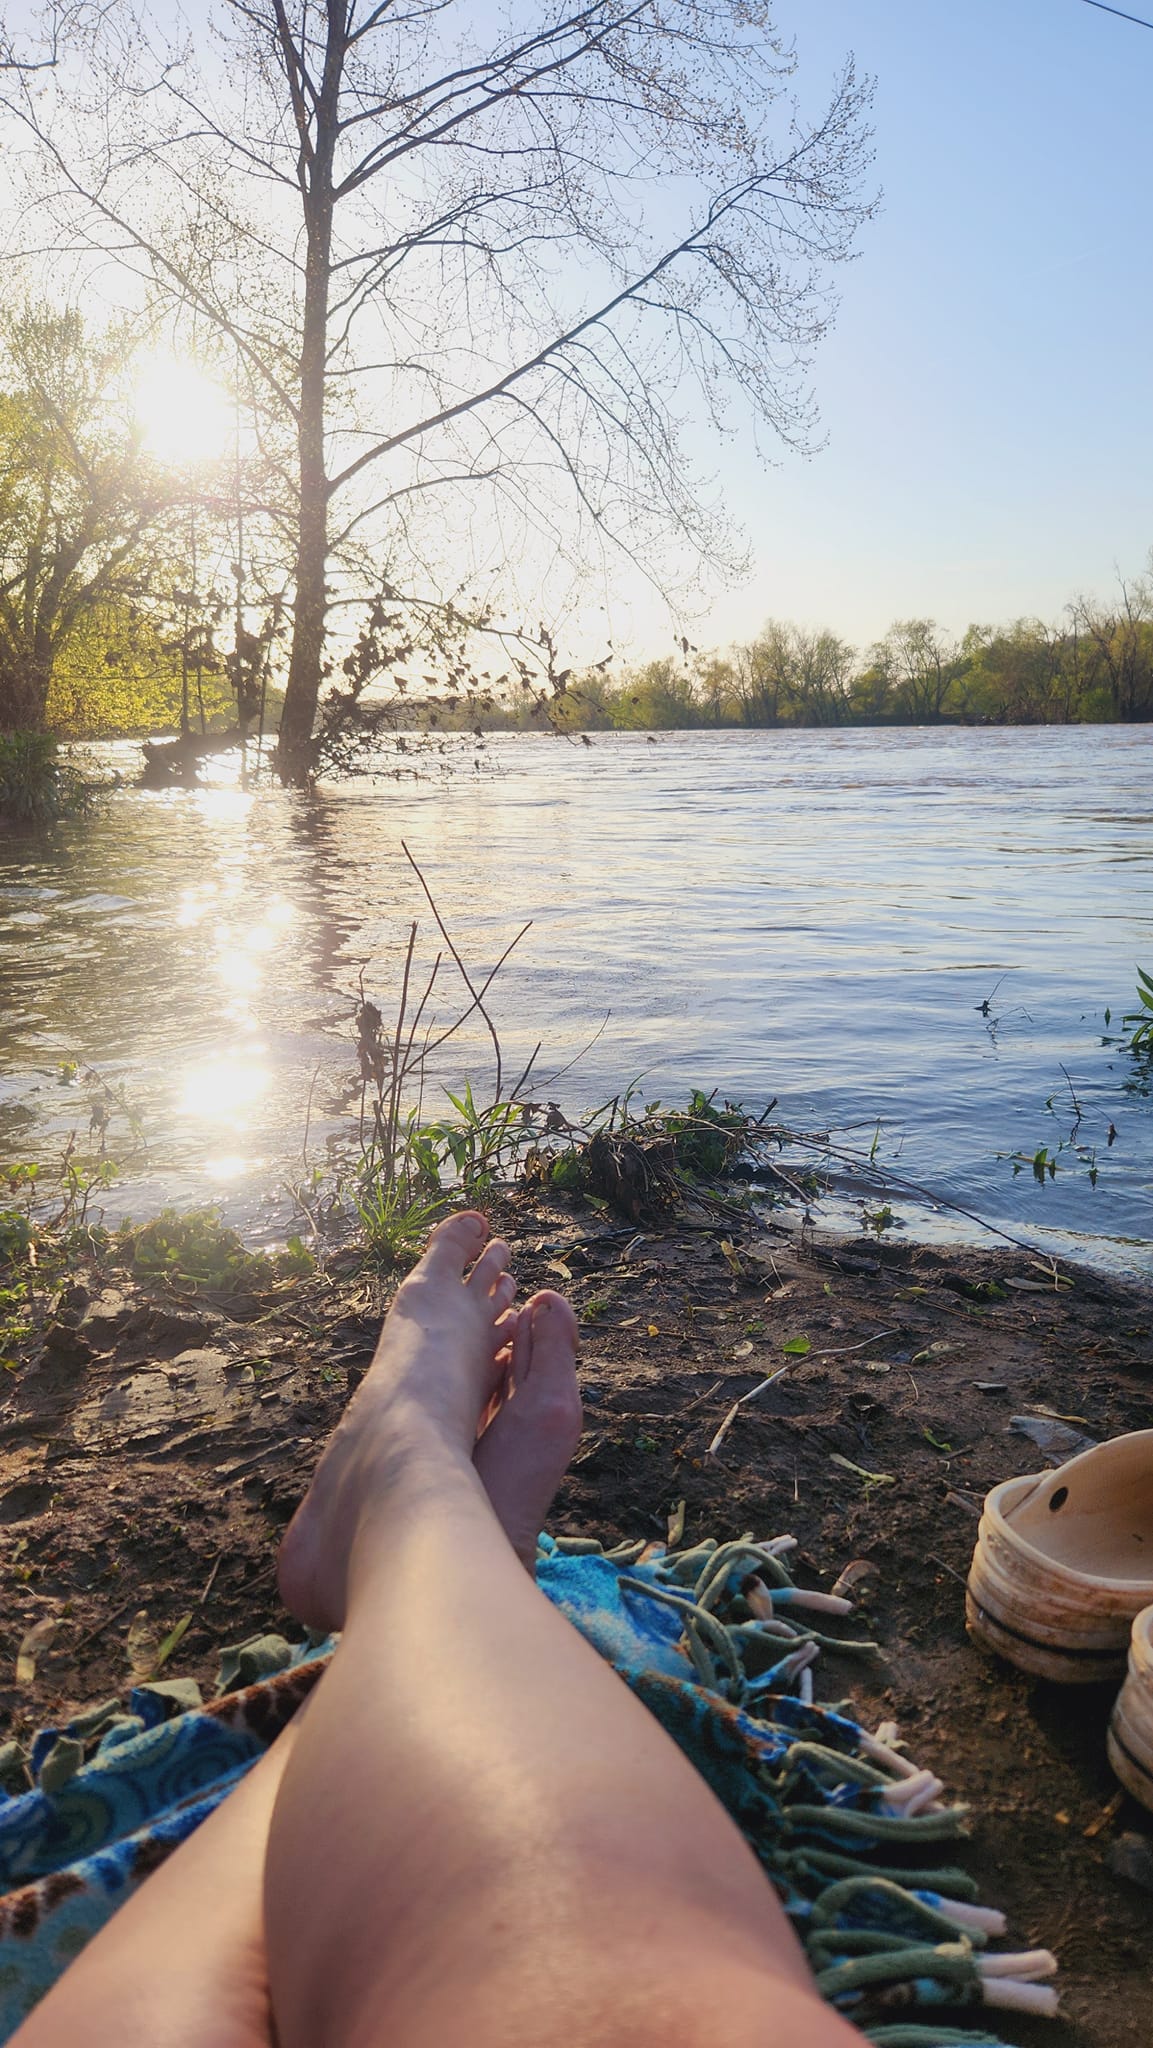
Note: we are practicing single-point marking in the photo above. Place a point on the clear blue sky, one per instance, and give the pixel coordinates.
(987, 391)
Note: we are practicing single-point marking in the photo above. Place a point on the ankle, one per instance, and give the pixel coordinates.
(417, 1484)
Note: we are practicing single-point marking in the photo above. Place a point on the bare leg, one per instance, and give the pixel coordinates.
(182, 1964)
(481, 1836)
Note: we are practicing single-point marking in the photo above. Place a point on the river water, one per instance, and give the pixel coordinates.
(809, 915)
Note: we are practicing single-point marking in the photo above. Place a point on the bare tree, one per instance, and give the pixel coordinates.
(790, 675)
(821, 678)
(1117, 646)
(922, 668)
(474, 279)
(1027, 669)
(763, 674)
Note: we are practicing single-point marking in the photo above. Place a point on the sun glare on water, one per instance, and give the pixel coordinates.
(183, 415)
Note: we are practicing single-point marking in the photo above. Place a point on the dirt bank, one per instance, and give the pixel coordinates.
(152, 1443)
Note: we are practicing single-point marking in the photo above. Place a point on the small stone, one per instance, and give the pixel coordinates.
(1131, 1856)
(71, 1303)
(179, 1326)
(1055, 1440)
(65, 1345)
(104, 1318)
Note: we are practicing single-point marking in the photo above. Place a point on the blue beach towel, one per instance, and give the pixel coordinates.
(114, 1792)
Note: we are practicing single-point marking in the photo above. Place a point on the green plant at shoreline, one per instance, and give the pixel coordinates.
(1141, 1039)
(58, 1196)
(37, 786)
(194, 1251)
(878, 1220)
(648, 1161)
(1072, 1150)
(396, 1222)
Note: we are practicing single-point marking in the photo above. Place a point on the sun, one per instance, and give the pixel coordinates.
(183, 415)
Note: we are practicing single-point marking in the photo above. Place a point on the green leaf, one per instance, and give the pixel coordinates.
(172, 1640)
(797, 1347)
(870, 1478)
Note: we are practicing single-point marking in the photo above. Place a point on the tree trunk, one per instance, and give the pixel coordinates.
(24, 686)
(294, 754)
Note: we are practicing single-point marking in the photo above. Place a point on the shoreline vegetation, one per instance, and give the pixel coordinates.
(1093, 668)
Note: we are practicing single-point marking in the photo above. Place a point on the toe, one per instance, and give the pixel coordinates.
(544, 1364)
(553, 1329)
(520, 1356)
(491, 1266)
(503, 1296)
(454, 1244)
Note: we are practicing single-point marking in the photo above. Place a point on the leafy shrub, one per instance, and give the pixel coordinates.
(195, 1249)
(36, 786)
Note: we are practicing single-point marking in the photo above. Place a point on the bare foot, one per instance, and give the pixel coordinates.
(523, 1454)
(443, 1362)
(437, 1367)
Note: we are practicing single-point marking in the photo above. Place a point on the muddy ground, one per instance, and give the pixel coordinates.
(153, 1443)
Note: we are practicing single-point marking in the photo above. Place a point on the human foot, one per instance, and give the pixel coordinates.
(437, 1367)
(523, 1454)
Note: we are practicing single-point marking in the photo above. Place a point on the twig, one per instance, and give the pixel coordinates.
(731, 1417)
(394, 1089)
(885, 1180)
(514, 1091)
(298, 1198)
(562, 1071)
(107, 1622)
(484, 989)
(934, 1559)
(786, 1180)
(698, 1400)
(843, 1350)
(1077, 1111)
(464, 974)
(211, 1580)
(308, 1115)
(406, 1064)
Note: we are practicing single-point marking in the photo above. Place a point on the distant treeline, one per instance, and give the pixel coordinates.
(1095, 668)
(117, 674)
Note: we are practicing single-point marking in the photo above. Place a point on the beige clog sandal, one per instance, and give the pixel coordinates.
(1064, 1562)
(1130, 1737)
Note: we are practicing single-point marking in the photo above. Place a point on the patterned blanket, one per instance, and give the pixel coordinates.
(714, 1641)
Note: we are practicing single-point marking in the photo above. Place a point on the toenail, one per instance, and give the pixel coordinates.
(467, 1220)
